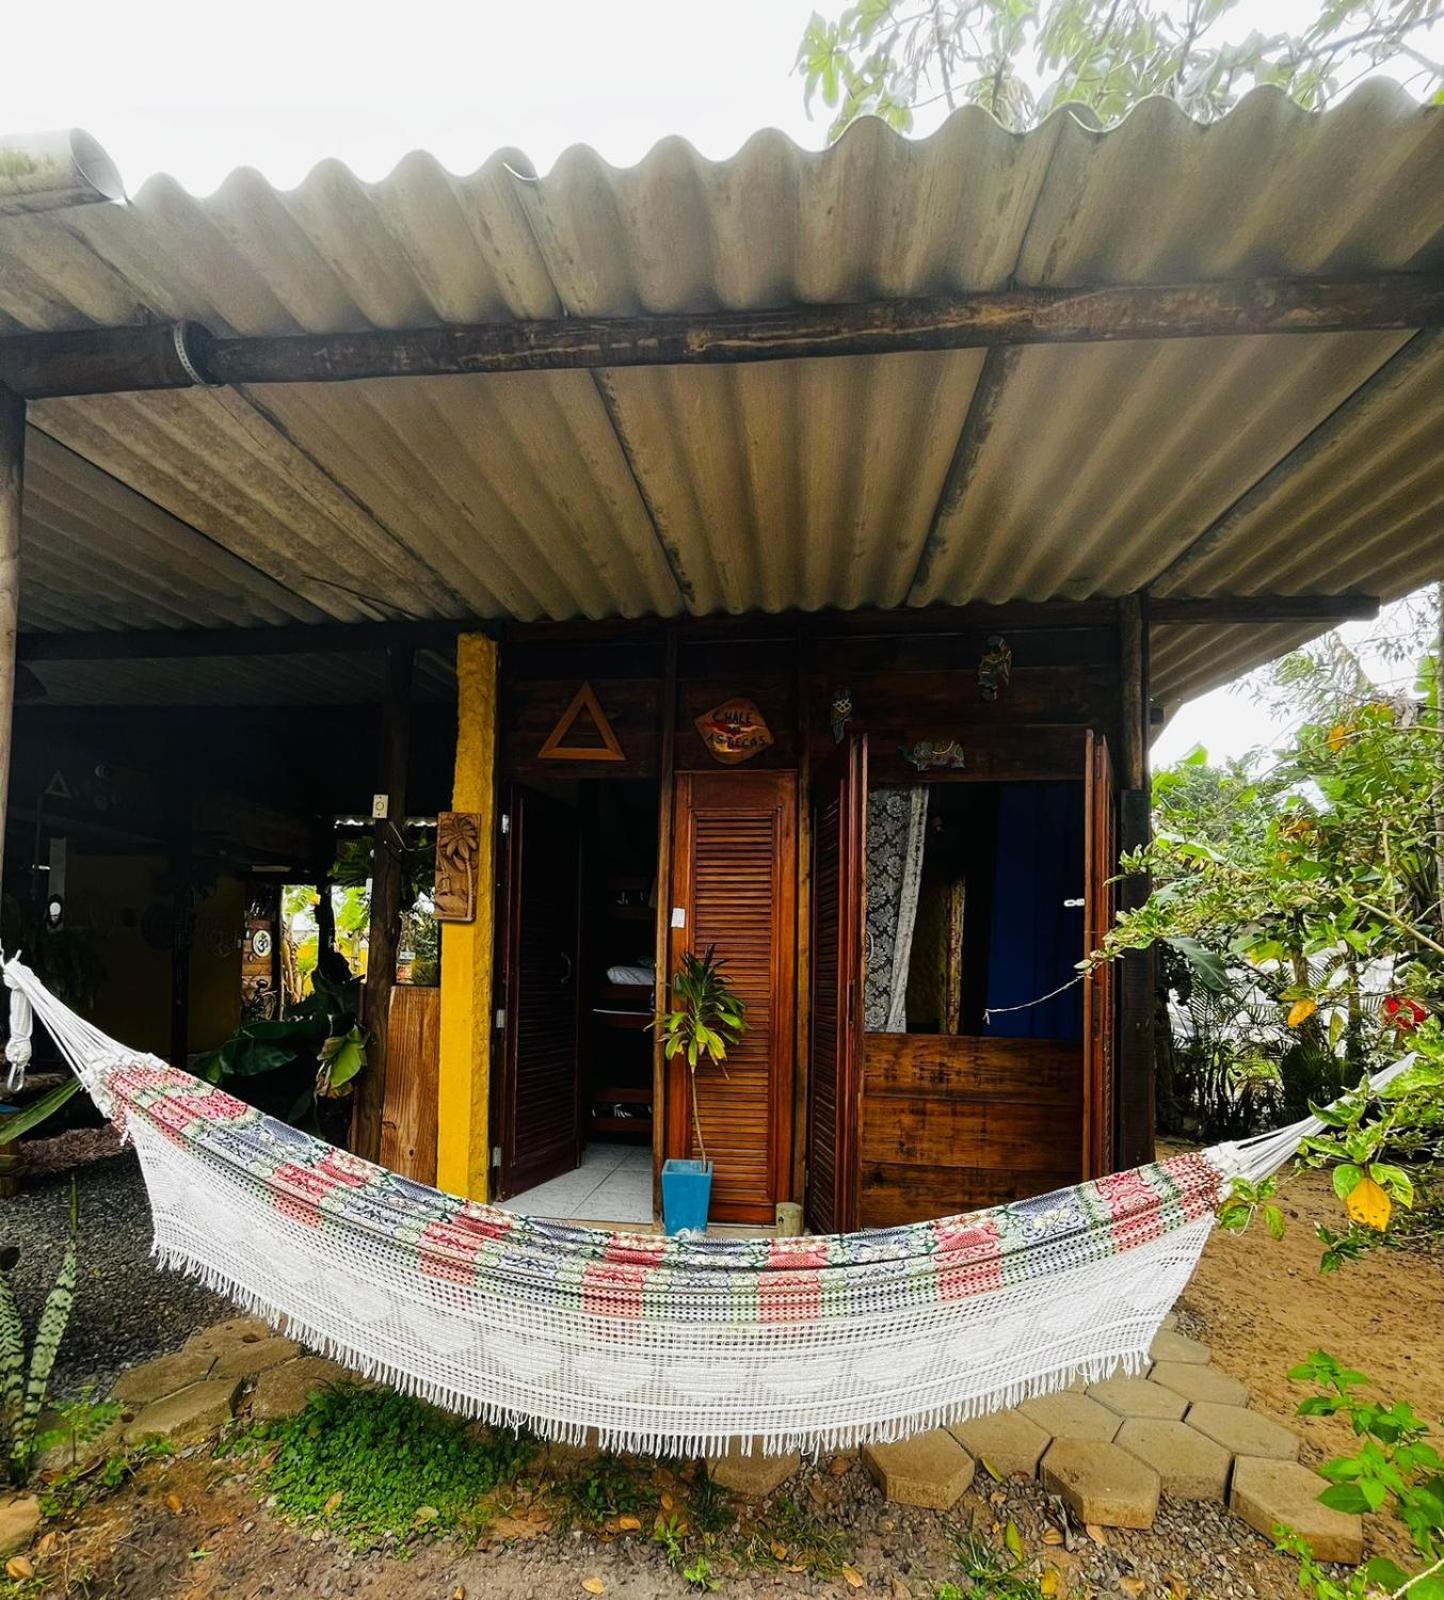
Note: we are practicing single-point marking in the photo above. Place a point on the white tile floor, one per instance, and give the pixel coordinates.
(613, 1184)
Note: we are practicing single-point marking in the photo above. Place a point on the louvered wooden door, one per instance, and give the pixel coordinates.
(839, 900)
(734, 875)
(540, 1102)
(1099, 1016)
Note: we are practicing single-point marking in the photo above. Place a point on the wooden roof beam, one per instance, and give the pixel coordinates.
(163, 644)
(177, 355)
(1325, 609)
(286, 639)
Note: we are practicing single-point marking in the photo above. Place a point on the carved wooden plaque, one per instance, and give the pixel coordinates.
(734, 731)
(458, 844)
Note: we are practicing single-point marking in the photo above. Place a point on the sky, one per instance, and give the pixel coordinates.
(198, 90)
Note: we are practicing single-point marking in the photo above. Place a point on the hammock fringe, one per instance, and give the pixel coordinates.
(630, 1441)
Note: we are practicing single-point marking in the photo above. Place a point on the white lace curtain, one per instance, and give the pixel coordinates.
(896, 826)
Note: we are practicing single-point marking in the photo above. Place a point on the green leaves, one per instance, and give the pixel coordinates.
(37, 1111)
(23, 1389)
(1396, 1468)
(887, 58)
(707, 1018)
(342, 1057)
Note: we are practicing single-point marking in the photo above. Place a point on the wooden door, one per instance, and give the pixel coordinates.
(839, 915)
(540, 1113)
(734, 881)
(1099, 1018)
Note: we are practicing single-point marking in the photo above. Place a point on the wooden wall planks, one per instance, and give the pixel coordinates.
(953, 1123)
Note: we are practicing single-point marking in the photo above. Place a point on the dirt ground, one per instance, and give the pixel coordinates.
(199, 1529)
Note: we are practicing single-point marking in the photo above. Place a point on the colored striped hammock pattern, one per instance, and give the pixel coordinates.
(639, 1341)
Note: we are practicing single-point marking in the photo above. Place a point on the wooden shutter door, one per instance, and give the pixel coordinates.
(734, 877)
(540, 1111)
(1099, 1024)
(839, 890)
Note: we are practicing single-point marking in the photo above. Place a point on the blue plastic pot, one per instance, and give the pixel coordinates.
(686, 1196)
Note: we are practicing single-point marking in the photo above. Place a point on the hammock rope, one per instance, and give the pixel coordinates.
(635, 1341)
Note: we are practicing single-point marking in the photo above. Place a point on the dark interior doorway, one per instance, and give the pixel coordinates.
(578, 955)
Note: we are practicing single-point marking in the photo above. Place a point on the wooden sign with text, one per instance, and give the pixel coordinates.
(734, 731)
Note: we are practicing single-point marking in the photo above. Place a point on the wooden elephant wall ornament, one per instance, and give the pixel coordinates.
(995, 670)
(934, 755)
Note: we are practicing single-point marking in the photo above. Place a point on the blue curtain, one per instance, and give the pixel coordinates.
(1036, 940)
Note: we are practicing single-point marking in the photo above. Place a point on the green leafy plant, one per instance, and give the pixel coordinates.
(612, 1486)
(372, 1464)
(698, 1575)
(891, 59)
(1396, 1470)
(25, 1375)
(990, 1571)
(285, 1065)
(80, 1421)
(707, 1018)
(38, 1111)
(1315, 878)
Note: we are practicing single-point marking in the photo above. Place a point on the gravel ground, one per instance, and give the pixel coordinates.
(126, 1309)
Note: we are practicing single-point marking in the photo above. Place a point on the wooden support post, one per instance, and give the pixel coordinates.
(1136, 1047)
(182, 940)
(661, 988)
(12, 474)
(387, 877)
(463, 1149)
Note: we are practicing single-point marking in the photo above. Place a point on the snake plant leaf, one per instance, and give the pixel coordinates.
(54, 1319)
(12, 1363)
(36, 1113)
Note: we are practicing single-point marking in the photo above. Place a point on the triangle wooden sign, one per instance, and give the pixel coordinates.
(556, 749)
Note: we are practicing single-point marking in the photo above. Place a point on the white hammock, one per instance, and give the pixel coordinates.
(652, 1344)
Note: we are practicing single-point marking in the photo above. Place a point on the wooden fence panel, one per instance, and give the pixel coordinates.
(408, 1119)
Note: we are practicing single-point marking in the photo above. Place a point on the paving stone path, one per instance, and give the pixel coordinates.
(1108, 1450)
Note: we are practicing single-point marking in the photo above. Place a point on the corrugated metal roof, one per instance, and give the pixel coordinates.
(1089, 470)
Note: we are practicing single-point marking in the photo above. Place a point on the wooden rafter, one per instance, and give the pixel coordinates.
(167, 356)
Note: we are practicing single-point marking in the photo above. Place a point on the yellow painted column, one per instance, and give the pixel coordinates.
(463, 1149)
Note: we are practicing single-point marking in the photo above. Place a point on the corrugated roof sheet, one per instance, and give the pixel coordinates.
(1090, 470)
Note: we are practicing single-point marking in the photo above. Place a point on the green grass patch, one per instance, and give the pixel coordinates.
(372, 1464)
(792, 1536)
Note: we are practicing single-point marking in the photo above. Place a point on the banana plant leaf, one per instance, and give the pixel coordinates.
(34, 1114)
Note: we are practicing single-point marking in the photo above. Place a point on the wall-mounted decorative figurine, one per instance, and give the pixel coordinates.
(996, 668)
(840, 712)
(566, 741)
(931, 755)
(458, 843)
(734, 731)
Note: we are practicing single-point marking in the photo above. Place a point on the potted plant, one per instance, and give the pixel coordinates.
(706, 1018)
